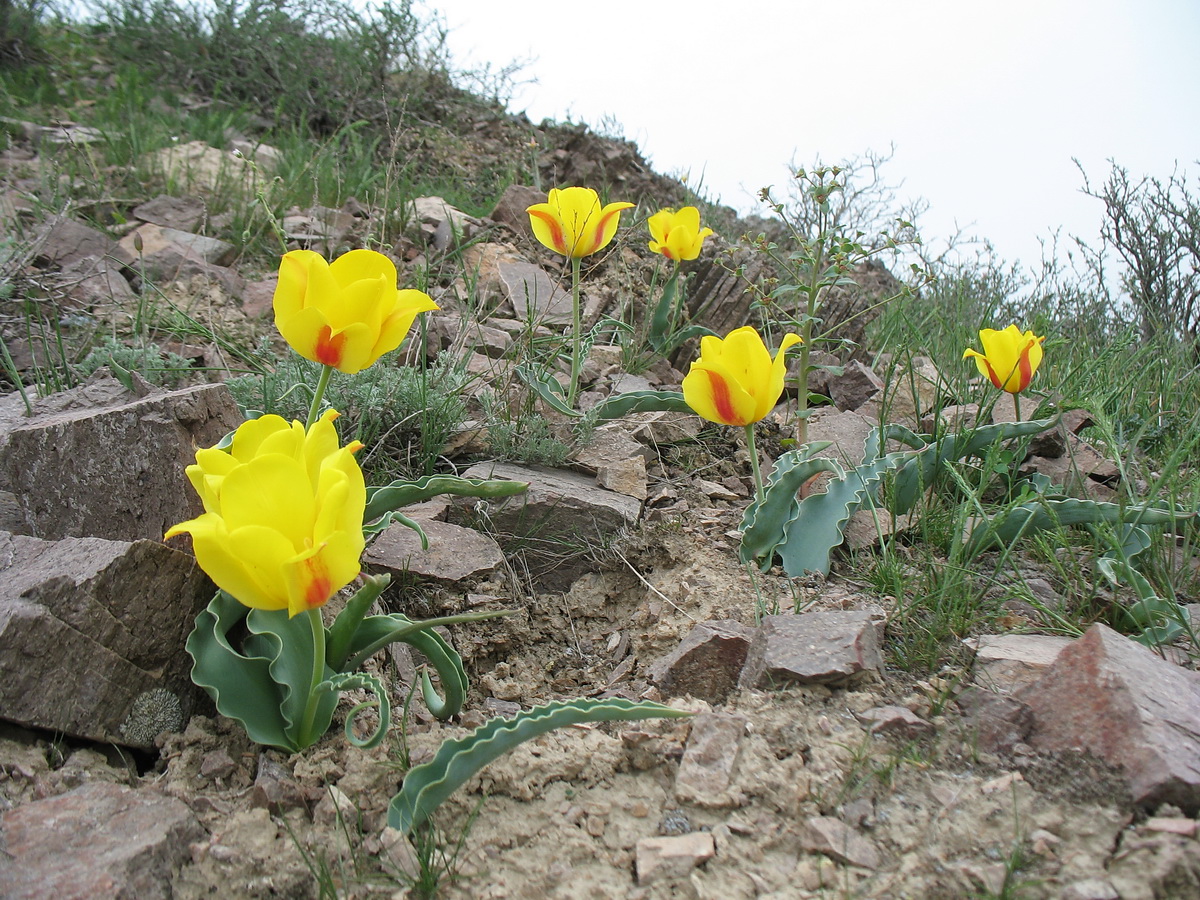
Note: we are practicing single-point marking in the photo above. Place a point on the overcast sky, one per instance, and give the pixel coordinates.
(986, 103)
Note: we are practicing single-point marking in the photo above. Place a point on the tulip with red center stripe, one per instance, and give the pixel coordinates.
(283, 510)
(1009, 358)
(736, 382)
(344, 314)
(572, 221)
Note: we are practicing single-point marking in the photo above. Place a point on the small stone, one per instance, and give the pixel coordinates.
(835, 839)
(706, 771)
(1090, 889)
(217, 764)
(707, 663)
(896, 720)
(673, 856)
(823, 647)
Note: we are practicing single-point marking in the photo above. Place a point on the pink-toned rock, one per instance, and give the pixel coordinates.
(1006, 662)
(673, 856)
(455, 553)
(835, 839)
(709, 759)
(97, 842)
(707, 663)
(832, 646)
(855, 386)
(1000, 722)
(897, 720)
(1114, 698)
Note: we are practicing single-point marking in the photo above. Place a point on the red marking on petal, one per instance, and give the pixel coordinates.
(721, 399)
(556, 231)
(995, 379)
(329, 348)
(320, 586)
(597, 235)
(1025, 367)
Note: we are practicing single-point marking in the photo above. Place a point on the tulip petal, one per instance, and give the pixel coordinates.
(714, 393)
(244, 562)
(270, 491)
(363, 265)
(409, 304)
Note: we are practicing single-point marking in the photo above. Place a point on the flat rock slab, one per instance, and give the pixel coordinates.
(455, 553)
(709, 759)
(92, 636)
(837, 840)
(1114, 698)
(673, 856)
(533, 294)
(560, 515)
(707, 663)
(829, 647)
(1007, 662)
(96, 842)
(114, 471)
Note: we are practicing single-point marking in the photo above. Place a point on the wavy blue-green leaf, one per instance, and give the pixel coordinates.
(402, 492)
(548, 388)
(240, 683)
(640, 401)
(426, 786)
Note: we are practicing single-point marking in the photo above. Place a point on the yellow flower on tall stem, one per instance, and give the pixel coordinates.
(572, 222)
(344, 314)
(737, 382)
(282, 527)
(677, 235)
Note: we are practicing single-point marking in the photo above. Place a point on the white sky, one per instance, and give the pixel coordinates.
(985, 102)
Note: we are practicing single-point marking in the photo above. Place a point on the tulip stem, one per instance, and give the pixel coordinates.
(576, 328)
(318, 395)
(758, 482)
(306, 737)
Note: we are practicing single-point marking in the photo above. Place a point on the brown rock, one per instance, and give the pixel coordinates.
(96, 842)
(115, 472)
(835, 839)
(706, 664)
(92, 636)
(1119, 701)
(455, 553)
(64, 241)
(182, 213)
(855, 386)
(558, 511)
(825, 647)
(897, 720)
(510, 208)
(1000, 722)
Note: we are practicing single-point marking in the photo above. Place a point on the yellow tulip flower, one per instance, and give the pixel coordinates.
(1009, 358)
(283, 511)
(573, 223)
(735, 381)
(677, 235)
(344, 314)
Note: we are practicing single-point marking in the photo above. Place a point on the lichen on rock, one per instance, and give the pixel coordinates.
(152, 713)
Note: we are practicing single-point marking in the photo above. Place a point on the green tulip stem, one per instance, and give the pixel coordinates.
(1017, 405)
(318, 675)
(576, 328)
(758, 482)
(318, 395)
